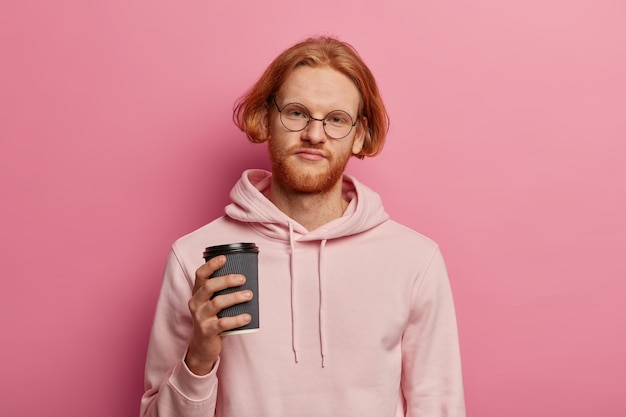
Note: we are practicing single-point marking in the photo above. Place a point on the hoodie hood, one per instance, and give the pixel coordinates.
(250, 205)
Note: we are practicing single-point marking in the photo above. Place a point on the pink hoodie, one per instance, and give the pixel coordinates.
(356, 319)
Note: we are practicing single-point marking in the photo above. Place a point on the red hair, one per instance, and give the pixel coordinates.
(251, 109)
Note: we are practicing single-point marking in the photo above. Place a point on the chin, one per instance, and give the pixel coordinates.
(306, 182)
(301, 177)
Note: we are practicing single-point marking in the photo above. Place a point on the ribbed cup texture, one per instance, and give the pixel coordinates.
(247, 265)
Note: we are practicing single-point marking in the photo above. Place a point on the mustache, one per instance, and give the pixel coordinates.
(315, 147)
(300, 147)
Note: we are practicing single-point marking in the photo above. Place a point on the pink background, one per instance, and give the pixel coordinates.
(507, 146)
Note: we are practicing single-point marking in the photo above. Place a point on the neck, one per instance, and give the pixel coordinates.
(311, 210)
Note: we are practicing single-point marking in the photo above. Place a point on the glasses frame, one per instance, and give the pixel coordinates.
(309, 118)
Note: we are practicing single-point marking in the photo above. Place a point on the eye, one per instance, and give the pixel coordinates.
(339, 118)
(294, 111)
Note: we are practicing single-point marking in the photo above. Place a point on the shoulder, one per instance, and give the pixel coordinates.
(407, 236)
(223, 230)
(190, 247)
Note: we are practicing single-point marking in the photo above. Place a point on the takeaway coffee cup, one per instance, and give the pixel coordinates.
(241, 258)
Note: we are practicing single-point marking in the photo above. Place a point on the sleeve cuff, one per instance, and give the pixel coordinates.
(192, 386)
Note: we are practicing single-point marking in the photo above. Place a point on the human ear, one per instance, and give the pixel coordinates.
(359, 137)
(264, 123)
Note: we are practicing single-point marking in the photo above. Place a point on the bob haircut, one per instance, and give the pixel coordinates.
(251, 109)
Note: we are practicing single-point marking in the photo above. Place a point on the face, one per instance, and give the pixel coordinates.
(309, 161)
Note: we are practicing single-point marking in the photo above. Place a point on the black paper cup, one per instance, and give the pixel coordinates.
(241, 258)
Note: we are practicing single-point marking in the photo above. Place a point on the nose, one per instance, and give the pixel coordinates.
(314, 131)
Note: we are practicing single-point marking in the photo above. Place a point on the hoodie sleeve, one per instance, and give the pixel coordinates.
(171, 389)
(431, 365)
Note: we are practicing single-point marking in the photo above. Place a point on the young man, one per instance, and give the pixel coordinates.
(357, 316)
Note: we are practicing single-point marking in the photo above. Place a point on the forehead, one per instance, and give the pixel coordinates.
(320, 88)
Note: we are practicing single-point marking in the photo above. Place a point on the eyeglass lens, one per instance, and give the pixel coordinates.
(295, 117)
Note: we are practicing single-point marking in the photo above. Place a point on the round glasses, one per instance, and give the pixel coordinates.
(295, 117)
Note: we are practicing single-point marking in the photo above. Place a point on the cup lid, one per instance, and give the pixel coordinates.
(231, 248)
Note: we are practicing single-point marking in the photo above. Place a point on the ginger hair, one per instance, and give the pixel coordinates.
(251, 110)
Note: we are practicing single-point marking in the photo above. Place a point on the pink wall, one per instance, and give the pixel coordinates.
(508, 147)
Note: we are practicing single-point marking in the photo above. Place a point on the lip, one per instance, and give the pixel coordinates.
(311, 154)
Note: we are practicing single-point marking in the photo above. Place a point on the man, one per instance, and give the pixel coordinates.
(357, 316)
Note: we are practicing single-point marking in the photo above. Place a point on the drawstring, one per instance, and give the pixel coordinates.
(321, 306)
(321, 320)
(291, 271)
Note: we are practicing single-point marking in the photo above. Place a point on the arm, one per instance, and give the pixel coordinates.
(432, 382)
(184, 348)
(171, 389)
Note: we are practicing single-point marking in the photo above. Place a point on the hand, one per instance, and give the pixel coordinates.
(206, 342)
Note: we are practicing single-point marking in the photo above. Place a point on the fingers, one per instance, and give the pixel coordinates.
(206, 344)
(206, 288)
(222, 301)
(204, 306)
(205, 271)
(227, 323)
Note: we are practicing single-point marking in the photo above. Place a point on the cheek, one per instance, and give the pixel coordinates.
(276, 130)
(281, 136)
(274, 124)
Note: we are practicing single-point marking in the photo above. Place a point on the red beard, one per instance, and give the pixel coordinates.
(289, 176)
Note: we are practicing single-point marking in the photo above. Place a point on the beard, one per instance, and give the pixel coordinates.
(288, 175)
